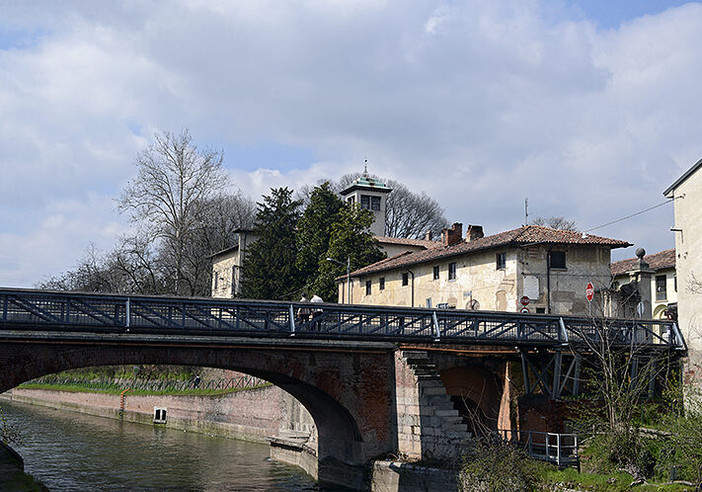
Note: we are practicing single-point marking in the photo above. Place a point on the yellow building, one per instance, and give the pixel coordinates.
(530, 269)
(227, 264)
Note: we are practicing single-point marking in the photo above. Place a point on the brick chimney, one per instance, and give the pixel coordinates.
(452, 236)
(428, 236)
(474, 232)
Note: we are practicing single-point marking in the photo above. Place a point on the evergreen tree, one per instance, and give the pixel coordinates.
(314, 232)
(270, 271)
(350, 238)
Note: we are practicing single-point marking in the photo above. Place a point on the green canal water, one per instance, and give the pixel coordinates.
(69, 452)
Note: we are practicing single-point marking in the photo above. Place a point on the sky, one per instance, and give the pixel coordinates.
(590, 109)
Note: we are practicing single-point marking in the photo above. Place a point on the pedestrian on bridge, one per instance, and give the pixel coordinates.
(317, 313)
(303, 312)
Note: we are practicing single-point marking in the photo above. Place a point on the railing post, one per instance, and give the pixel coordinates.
(436, 325)
(563, 333)
(127, 313)
(292, 320)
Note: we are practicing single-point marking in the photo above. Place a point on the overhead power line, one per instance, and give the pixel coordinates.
(630, 215)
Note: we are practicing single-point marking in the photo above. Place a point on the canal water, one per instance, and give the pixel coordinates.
(73, 452)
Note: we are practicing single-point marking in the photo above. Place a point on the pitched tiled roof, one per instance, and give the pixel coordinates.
(523, 236)
(401, 241)
(657, 261)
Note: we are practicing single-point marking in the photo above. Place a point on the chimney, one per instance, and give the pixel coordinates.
(428, 236)
(452, 236)
(474, 232)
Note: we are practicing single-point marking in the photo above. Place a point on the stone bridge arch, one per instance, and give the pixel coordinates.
(349, 391)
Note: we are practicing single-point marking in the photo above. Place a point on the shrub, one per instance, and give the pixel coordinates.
(493, 466)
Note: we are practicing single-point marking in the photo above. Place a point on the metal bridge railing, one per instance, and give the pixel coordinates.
(561, 449)
(225, 384)
(46, 310)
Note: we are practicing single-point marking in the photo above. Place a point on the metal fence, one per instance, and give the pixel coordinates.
(46, 310)
(156, 385)
(561, 449)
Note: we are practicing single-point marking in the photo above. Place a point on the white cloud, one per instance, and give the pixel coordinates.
(480, 104)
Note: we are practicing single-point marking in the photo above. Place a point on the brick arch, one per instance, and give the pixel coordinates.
(349, 395)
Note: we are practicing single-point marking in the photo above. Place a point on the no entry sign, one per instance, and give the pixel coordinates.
(524, 300)
(590, 291)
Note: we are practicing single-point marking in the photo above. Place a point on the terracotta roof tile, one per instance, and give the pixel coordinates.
(408, 242)
(517, 237)
(657, 261)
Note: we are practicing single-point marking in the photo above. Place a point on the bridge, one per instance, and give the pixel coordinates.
(377, 380)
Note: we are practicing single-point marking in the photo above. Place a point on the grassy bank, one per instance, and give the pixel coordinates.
(116, 390)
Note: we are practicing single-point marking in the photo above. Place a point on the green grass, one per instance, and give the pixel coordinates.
(615, 482)
(77, 388)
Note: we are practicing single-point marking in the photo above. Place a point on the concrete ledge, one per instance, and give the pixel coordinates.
(295, 451)
(391, 476)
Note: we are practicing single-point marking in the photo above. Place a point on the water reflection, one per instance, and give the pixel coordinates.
(69, 451)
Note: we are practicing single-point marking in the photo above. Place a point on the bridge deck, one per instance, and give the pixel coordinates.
(64, 311)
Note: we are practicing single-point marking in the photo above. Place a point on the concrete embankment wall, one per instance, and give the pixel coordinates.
(252, 415)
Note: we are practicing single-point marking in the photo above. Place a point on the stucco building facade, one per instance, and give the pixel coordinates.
(686, 193)
(530, 269)
(226, 266)
(663, 284)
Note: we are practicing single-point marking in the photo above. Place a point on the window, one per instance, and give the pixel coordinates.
(661, 293)
(351, 199)
(381, 285)
(160, 415)
(216, 281)
(368, 287)
(500, 261)
(675, 282)
(370, 202)
(557, 259)
(452, 271)
(405, 279)
(436, 272)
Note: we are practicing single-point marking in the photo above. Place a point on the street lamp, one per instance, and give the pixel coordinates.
(348, 276)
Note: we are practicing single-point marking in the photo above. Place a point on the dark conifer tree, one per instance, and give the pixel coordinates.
(270, 271)
(314, 233)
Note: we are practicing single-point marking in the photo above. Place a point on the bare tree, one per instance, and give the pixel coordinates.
(172, 195)
(556, 223)
(407, 214)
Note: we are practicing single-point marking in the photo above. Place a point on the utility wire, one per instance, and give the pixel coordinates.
(630, 216)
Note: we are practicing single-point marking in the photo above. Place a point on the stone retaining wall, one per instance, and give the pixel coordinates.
(251, 415)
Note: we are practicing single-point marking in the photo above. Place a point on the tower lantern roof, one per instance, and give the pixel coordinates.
(367, 182)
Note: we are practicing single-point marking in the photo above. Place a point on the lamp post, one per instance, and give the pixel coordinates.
(348, 276)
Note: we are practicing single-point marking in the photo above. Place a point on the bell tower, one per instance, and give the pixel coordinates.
(372, 195)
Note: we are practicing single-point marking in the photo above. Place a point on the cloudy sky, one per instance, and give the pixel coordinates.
(590, 109)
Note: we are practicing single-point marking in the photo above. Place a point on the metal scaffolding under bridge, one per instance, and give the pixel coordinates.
(24, 309)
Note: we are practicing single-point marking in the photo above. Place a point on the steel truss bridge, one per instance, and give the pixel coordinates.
(562, 337)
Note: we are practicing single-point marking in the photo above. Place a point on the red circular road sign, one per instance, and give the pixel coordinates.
(524, 310)
(590, 291)
(524, 300)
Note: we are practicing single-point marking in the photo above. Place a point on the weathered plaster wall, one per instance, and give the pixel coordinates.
(688, 247)
(479, 280)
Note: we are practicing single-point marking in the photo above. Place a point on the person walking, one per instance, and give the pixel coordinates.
(303, 312)
(317, 313)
